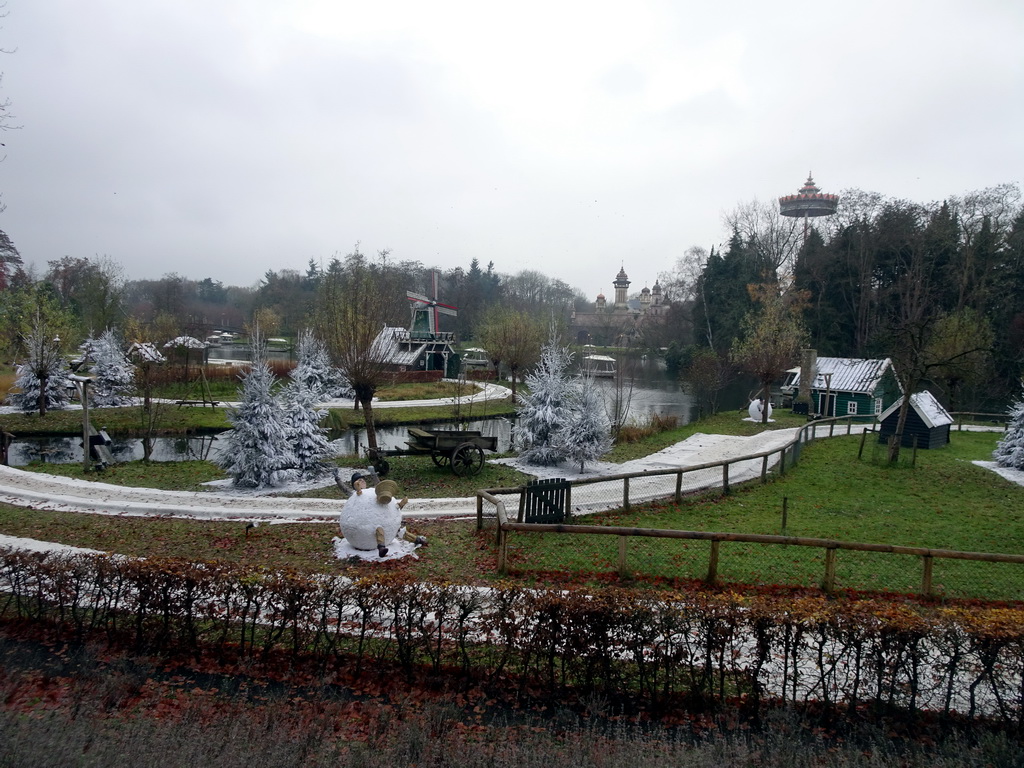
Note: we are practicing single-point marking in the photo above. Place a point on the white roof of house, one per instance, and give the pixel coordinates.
(394, 345)
(926, 406)
(849, 374)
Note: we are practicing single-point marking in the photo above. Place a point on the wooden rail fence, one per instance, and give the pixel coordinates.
(811, 431)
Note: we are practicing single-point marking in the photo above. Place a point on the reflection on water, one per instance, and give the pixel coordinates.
(68, 450)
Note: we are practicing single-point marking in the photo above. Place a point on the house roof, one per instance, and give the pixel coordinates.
(926, 406)
(849, 374)
(395, 346)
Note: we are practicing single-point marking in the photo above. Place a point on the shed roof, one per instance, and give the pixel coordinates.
(927, 407)
(849, 374)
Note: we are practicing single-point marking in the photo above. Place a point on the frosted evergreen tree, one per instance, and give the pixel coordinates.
(586, 434)
(1009, 450)
(544, 411)
(313, 369)
(45, 371)
(114, 374)
(258, 451)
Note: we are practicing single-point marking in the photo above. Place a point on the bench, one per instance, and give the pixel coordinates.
(545, 501)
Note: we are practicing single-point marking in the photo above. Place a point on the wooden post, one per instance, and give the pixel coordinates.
(479, 512)
(764, 469)
(782, 461)
(926, 576)
(86, 447)
(502, 550)
(863, 437)
(712, 576)
(622, 556)
(830, 570)
(725, 478)
(679, 486)
(568, 503)
(625, 494)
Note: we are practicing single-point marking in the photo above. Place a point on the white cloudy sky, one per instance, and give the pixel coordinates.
(222, 138)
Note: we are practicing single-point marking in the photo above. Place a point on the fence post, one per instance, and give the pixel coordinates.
(830, 570)
(679, 486)
(782, 460)
(568, 503)
(725, 478)
(622, 556)
(926, 575)
(502, 549)
(712, 576)
(764, 469)
(863, 437)
(479, 512)
(625, 493)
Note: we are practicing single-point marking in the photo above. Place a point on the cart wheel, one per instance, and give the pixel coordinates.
(467, 459)
(440, 459)
(382, 467)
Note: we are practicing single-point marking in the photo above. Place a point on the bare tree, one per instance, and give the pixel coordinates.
(772, 338)
(351, 313)
(513, 338)
(774, 239)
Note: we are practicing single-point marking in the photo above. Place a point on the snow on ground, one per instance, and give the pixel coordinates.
(1013, 475)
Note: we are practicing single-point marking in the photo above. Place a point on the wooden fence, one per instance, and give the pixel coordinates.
(787, 456)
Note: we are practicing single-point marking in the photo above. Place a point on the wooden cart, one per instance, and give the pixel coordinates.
(463, 451)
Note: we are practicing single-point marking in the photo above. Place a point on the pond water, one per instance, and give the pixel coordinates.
(651, 392)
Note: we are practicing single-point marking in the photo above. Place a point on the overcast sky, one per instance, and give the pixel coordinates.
(223, 138)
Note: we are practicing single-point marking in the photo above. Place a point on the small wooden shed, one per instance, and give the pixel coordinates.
(927, 422)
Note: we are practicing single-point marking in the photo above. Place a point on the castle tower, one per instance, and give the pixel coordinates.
(645, 300)
(621, 285)
(600, 304)
(656, 298)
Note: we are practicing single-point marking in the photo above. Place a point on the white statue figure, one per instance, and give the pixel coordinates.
(371, 519)
(756, 409)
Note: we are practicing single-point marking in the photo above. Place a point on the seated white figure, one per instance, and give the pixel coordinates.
(371, 519)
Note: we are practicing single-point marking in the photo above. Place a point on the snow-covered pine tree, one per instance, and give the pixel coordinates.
(114, 373)
(258, 452)
(1009, 450)
(308, 439)
(313, 368)
(586, 434)
(45, 369)
(544, 411)
(312, 377)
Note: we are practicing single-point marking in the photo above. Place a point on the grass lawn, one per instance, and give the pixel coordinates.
(945, 502)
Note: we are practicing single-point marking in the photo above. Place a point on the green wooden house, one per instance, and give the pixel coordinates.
(845, 386)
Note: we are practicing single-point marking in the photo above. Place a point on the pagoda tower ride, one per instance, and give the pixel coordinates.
(809, 202)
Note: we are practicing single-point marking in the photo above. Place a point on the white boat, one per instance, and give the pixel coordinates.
(599, 365)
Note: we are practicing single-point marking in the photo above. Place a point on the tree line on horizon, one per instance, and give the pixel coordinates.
(881, 278)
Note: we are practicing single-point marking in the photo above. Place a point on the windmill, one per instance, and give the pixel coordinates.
(426, 312)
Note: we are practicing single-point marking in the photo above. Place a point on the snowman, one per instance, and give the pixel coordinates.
(371, 519)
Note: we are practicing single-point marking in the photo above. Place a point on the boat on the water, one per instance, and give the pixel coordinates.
(599, 365)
